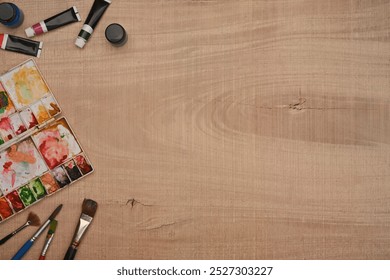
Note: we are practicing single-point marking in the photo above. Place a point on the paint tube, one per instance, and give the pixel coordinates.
(95, 14)
(66, 17)
(20, 45)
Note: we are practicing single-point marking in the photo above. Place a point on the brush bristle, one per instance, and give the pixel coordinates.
(89, 207)
(34, 219)
(53, 226)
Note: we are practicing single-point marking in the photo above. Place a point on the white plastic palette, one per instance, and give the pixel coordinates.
(39, 153)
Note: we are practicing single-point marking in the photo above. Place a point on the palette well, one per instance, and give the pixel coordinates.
(39, 153)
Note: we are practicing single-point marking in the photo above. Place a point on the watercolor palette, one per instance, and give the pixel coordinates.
(39, 154)
(25, 101)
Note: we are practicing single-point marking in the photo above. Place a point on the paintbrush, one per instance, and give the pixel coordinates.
(22, 251)
(49, 238)
(88, 212)
(32, 220)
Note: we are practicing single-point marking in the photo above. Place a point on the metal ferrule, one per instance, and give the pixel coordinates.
(47, 244)
(85, 221)
(40, 230)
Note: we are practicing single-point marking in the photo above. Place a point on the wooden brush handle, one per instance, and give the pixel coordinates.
(71, 253)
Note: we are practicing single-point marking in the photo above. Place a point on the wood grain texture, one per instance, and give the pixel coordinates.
(224, 129)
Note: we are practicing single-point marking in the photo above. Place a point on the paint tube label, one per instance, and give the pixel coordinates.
(4, 41)
(86, 32)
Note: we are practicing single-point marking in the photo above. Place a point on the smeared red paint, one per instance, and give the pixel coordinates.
(53, 152)
(7, 165)
(33, 121)
(15, 201)
(21, 129)
(7, 170)
(5, 125)
(5, 209)
(82, 163)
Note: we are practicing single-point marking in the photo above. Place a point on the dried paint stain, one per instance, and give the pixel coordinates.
(83, 164)
(29, 118)
(26, 195)
(61, 177)
(37, 188)
(6, 106)
(3, 102)
(17, 124)
(19, 164)
(49, 183)
(56, 143)
(51, 105)
(5, 209)
(15, 201)
(25, 84)
(40, 112)
(72, 170)
(6, 131)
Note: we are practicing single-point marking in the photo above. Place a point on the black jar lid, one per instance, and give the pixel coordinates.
(7, 12)
(115, 33)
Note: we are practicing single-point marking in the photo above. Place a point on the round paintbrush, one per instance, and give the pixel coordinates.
(88, 212)
(32, 220)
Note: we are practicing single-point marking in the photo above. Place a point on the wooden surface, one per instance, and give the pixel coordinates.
(224, 129)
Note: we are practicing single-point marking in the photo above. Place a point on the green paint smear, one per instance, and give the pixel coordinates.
(25, 91)
(26, 195)
(25, 164)
(3, 102)
(37, 188)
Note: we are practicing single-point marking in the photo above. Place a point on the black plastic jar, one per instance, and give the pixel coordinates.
(10, 15)
(116, 34)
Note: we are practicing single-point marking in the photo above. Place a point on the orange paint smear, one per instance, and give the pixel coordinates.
(49, 183)
(54, 109)
(16, 156)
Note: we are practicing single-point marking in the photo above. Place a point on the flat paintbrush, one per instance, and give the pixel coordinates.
(88, 212)
(22, 251)
(32, 220)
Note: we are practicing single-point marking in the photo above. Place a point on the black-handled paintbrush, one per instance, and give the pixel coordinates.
(32, 220)
(22, 251)
(88, 212)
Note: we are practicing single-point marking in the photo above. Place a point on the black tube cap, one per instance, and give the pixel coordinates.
(7, 12)
(116, 34)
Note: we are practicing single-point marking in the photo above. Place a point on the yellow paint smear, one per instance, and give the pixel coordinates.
(29, 85)
(42, 114)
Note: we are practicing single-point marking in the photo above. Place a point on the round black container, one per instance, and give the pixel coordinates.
(116, 34)
(10, 15)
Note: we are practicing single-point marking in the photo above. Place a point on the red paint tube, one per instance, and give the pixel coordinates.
(20, 45)
(66, 17)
